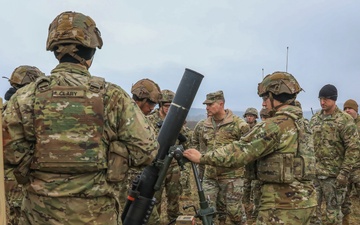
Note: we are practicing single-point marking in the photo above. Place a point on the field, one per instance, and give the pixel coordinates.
(194, 200)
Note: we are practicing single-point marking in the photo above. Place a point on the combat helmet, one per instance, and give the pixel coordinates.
(251, 111)
(147, 89)
(264, 113)
(167, 96)
(279, 83)
(24, 75)
(70, 29)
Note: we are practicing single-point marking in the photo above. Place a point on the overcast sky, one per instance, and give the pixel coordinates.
(229, 42)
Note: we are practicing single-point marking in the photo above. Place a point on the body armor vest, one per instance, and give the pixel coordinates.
(286, 167)
(69, 124)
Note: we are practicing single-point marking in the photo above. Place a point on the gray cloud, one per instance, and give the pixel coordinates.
(227, 41)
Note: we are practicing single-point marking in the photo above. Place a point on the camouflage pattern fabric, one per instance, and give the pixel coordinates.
(187, 172)
(14, 196)
(336, 142)
(256, 197)
(285, 217)
(337, 146)
(173, 176)
(334, 197)
(227, 195)
(275, 135)
(55, 198)
(354, 181)
(198, 143)
(217, 179)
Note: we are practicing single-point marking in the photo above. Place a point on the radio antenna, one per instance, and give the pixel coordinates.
(262, 73)
(287, 58)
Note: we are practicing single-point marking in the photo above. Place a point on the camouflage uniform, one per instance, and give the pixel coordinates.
(45, 136)
(197, 142)
(223, 185)
(21, 76)
(281, 203)
(336, 143)
(172, 179)
(187, 172)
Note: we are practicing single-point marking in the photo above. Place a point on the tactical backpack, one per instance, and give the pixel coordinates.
(286, 167)
(69, 127)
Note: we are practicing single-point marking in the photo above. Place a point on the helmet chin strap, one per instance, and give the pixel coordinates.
(274, 109)
(71, 49)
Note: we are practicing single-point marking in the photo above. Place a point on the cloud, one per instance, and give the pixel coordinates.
(229, 42)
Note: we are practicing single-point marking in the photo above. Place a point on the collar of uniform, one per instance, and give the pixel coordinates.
(71, 68)
(228, 119)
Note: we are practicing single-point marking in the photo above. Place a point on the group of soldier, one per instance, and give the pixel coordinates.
(73, 143)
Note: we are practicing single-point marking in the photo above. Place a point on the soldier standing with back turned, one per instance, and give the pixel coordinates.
(70, 134)
(22, 76)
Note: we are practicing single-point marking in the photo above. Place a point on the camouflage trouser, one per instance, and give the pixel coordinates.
(354, 183)
(285, 216)
(227, 195)
(131, 174)
(334, 197)
(14, 198)
(185, 180)
(173, 192)
(256, 195)
(41, 210)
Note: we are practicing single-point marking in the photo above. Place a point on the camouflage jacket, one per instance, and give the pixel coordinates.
(276, 134)
(124, 123)
(232, 128)
(197, 143)
(336, 142)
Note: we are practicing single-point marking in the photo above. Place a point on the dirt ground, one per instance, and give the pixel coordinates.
(193, 199)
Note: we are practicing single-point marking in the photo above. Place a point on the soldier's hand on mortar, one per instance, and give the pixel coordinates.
(342, 179)
(193, 155)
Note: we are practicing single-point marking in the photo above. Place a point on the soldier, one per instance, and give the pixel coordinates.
(250, 115)
(351, 107)
(21, 76)
(70, 134)
(146, 93)
(172, 179)
(223, 185)
(264, 114)
(288, 195)
(336, 144)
